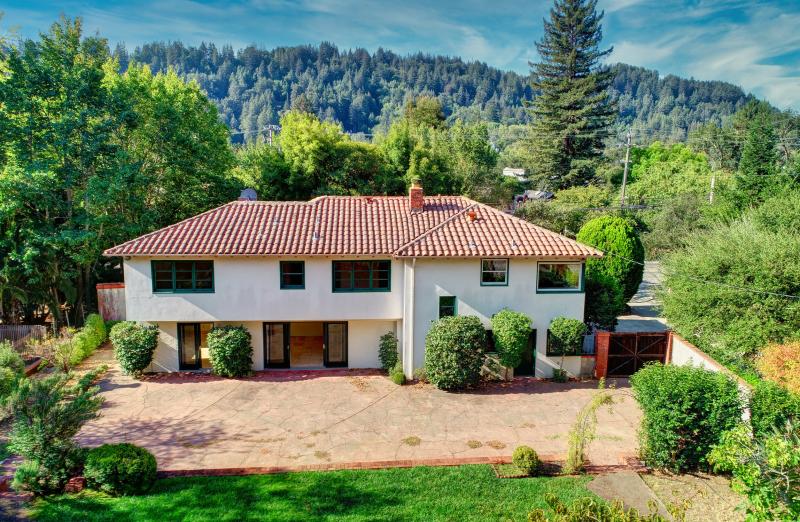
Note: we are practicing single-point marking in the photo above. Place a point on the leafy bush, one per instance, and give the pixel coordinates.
(526, 459)
(560, 375)
(686, 411)
(134, 344)
(454, 352)
(604, 301)
(566, 336)
(563, 219)
(86, 340)
(12, 368)
(120, 469)
(781, 363)
(387, 351)
(511, 331)
(771, 407)
(397, 375)
(765, 469)
(47, 414)
(742, 254)
(231, 351)
(625, 254)
(589, 508)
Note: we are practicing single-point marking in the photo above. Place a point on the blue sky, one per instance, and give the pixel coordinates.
(755, 44)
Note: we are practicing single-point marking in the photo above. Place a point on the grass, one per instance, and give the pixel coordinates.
(425, 493)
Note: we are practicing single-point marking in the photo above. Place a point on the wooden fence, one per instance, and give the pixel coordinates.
(20, 334)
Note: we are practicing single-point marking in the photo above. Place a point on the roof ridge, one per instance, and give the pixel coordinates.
(435, 228)
(168, 227)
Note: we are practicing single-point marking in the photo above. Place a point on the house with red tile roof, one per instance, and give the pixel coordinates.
(317, 283)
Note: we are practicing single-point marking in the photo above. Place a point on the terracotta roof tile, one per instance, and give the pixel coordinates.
(341, 225)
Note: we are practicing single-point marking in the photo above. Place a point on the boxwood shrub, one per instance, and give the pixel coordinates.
(387, 351)
(511, 331)
(231, 351)
(120, 469)
(134, 344)
(454, 352)
(686, 411)
(526, 459)
(566, 336)
(771, 407)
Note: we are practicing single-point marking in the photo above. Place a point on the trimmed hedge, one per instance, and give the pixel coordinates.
(134, 344)
(454, 352)
(88, 338)
(771, 407)
(686, 411)
(511, 331)
(387, 351)
(231, 351)
(566, 336)
(120, 469)
(619, 238)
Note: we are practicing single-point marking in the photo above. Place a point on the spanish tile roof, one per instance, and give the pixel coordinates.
(341, 225)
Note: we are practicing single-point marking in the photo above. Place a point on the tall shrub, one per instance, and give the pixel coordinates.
(134, 344)
(387, 351)
(454, 352)
(566, 336)
(604, 301)
(47, 414)
(780, 363)
(625, 254)
(686, 411)
(771, 407)
(511, 331)
(231, 351)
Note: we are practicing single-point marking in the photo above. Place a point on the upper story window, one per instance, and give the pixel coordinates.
(560, 277)
(494, 272)
(447, 305)
(362, 276)
(183, 276)
(293, 275)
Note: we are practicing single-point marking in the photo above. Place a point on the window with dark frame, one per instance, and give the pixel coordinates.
(362, 276)
(182, 276)
(447, 306)
(560, 277)
(293, 275)
(494, 272)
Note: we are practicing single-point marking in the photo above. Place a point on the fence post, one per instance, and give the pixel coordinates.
(601, 343)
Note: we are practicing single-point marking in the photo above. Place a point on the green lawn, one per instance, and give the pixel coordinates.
(425, 494)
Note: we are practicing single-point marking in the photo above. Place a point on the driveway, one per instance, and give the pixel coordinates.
(645, 308)
(294, 419)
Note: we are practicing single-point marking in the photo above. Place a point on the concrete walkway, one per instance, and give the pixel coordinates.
(645, 313)
(295, 419)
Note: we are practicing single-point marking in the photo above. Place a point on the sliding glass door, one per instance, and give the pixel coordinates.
(192, 346)
(276, 345)
(335, 344)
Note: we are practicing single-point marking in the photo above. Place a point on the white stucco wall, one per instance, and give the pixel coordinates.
(461, 278)
(248, 289)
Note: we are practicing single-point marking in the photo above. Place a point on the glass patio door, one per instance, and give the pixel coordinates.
(276, 345)
(192, 346)
(335, 344)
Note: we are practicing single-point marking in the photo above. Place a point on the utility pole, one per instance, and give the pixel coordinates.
(625, 171)
(713, 182)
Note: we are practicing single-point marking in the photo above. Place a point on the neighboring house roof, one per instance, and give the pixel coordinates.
(362, 225)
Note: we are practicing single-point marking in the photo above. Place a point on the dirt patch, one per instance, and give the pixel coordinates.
(413, 440)
(496, 444)
(474, 444)
(708, 498)
(359, 383)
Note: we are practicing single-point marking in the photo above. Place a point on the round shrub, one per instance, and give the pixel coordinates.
(120, 469)
(230, 350)
(566, 336)
(397, 375)
(511, 331)
(618, 237)
(604, 301)
(387, 351)
(771, 407)
(134, 344)
(454, 352)
(526, 459)
(686, 410)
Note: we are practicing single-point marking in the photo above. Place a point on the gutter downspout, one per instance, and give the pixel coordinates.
(408, 322)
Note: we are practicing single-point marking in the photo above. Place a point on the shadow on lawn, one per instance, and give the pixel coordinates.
(271, 497)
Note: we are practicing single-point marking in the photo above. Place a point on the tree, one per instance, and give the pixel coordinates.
(624, 258)
(572, 111)
(756, 176)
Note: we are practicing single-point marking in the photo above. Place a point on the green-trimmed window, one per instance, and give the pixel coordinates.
(560, 277)
(293, 275)
(362, 276)
(494, 272)
(447, 305)
(182, 276)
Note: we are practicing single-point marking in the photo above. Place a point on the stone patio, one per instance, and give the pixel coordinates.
(299, 419)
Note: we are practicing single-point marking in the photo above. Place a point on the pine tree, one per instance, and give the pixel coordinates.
(572, 112)
(756, 178)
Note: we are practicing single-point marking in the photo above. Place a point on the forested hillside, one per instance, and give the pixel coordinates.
(366, 91)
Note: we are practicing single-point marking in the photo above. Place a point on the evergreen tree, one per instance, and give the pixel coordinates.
(757, 166)
(572, 112)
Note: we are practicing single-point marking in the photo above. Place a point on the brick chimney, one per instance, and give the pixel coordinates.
(416, 197)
